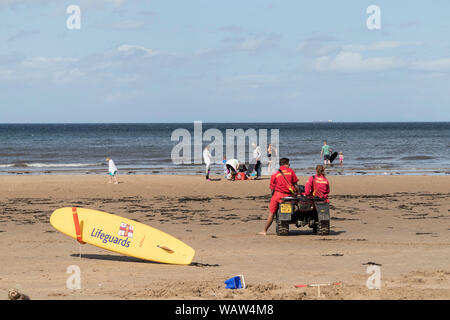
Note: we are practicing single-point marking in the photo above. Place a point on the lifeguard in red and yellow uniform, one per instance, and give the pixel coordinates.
(283, 183)
(318, 185)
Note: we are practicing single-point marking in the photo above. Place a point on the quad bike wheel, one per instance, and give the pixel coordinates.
(322, 228)
(282, 228)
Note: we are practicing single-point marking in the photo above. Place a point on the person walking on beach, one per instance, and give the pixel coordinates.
(207, 157)
(257, 160)
(283, 183)
(112, 171)
(318, 185)
(326, 152)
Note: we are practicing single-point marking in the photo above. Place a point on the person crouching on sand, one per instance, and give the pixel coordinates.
(318, 185)
(283, 183)
(232, 168)
(112, 170)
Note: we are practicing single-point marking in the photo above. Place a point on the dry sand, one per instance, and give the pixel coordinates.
(399, 222)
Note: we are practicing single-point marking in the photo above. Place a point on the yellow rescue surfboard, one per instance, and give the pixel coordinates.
(121, 235)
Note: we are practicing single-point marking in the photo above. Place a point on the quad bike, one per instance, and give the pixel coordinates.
(303, 211)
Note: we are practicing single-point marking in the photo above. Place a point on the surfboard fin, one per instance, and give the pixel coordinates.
(77, 226)
(165, 248)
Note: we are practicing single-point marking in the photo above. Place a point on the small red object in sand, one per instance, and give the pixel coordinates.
(318, 286)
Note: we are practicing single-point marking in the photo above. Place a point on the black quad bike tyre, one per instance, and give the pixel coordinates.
(282, 228)
(322, 228)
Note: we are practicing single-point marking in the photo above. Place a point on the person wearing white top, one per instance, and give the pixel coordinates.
(207, 157)
(112, 171)
(257, 160)
(232, 167)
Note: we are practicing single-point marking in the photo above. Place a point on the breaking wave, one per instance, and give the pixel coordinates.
(48, 165)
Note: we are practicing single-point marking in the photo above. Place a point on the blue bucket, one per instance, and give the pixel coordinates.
(235, 283)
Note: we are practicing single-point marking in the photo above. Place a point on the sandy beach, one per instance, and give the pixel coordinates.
(401, 223)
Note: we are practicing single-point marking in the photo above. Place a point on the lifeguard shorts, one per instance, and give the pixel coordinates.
(274, 201)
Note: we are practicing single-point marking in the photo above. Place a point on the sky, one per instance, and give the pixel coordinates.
(224, 61)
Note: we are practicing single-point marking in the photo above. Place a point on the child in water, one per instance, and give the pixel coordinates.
(341, 158)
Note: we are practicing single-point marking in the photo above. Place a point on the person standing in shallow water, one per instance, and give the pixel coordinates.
(326, 152)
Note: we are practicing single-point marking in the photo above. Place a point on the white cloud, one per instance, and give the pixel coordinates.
(67, 75)
(257, 43)
(348, 61)
(317, 45)
(323, 46)
(360, 58)
(37, 62)
(251, 42)
(379, 45)
(136, 50)
(59, 70)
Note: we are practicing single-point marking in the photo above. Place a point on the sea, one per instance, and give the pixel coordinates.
(368, 148)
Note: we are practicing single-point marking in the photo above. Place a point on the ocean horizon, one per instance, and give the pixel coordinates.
(227, 122)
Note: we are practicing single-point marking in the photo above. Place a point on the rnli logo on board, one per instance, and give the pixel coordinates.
(126, 230)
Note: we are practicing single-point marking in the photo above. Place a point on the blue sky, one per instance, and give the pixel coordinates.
(224, 61)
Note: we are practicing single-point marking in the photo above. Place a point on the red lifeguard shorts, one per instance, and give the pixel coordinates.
(274, 204)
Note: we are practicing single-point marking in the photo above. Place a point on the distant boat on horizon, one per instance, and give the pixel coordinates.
(320, 121)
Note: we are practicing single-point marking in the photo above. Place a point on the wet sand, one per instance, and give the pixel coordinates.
(401, 223)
